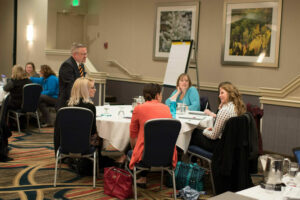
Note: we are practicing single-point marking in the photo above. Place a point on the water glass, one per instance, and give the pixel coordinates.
(181, 108)
(292, 171)
(106, 106)
(121, 112)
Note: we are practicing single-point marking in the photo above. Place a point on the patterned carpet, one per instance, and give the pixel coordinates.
(30, 175)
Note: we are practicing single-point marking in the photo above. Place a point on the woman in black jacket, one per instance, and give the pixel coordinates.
(15, 87)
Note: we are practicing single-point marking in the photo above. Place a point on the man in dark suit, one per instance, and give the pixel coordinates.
(69, 71)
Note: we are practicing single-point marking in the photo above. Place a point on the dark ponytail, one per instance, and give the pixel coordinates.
(150, 91)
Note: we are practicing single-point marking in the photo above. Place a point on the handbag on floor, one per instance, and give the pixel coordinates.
(117, 182)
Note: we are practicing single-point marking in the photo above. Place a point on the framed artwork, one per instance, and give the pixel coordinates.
(251, 33)
(174, 21)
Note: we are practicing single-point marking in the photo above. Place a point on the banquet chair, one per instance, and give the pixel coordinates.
(233, 156)
(160, 137)
(74, 124)
(296, 152)
(31, 96)
(204, 104)
(203, 155)
(5, 132)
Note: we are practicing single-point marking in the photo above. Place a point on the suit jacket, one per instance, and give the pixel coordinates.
(68, 73)
(142, 113)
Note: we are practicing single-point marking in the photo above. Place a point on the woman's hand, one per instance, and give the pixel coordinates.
(178, 90)
(208, 112)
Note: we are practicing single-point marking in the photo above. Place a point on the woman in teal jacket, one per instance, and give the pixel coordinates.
(49, 95)
(185, 93)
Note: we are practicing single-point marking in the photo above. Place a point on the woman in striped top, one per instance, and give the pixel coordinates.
(231, 105)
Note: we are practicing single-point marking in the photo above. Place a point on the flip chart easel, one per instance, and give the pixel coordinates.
(178, 61)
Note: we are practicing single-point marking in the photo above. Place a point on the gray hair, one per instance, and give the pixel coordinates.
(76, 46)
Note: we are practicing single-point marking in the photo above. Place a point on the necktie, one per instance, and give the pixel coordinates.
(80, 68)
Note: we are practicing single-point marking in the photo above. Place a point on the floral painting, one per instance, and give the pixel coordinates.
(175, 21)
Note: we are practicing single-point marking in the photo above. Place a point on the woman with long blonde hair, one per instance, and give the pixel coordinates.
(231, 105)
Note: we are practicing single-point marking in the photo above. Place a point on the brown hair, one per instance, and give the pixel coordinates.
(181, 76)
(47, 71)
(234, 96)
(32, 64)
(150, 91)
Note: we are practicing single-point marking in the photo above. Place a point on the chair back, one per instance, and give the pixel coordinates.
(4, 109)
(160, 136)
(74, 125)
(233, 156)
(31, 96)
(204, 104)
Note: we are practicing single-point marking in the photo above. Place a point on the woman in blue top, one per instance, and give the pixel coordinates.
(49, 95)
(185, 93)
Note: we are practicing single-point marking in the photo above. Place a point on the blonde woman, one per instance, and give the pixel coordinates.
(231, 105)
(82, 92)
(15, 86)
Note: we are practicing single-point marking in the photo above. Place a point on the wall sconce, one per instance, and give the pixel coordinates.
(29, 33)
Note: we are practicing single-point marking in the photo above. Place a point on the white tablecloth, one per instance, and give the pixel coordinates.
(115, 129)
(262, 194)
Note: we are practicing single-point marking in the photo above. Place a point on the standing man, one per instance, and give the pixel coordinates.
(69, 71)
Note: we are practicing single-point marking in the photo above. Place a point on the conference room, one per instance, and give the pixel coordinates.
(252, 44)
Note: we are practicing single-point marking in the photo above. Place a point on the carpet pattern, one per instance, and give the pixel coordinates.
(30, 175)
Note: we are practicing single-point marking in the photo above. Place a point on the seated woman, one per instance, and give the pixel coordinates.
(185, 93)
(49, 95)
(231, 105)
(151, 109)
(30, 70)
(82, 91)
(15, 87)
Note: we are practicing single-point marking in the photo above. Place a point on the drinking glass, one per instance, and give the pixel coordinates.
(121, 112)
(106, 108)
(292, 171)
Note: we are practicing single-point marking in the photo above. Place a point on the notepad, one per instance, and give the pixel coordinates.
(192, 118)
(196, 113)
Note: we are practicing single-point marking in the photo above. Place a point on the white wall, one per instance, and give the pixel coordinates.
(34, 12)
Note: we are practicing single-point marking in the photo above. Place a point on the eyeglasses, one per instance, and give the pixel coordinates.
(83, 54)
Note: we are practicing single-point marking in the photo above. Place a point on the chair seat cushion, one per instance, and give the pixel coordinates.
(139, 164)
(91, 150)
(198, 150)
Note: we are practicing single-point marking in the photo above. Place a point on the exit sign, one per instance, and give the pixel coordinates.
(75, 3)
